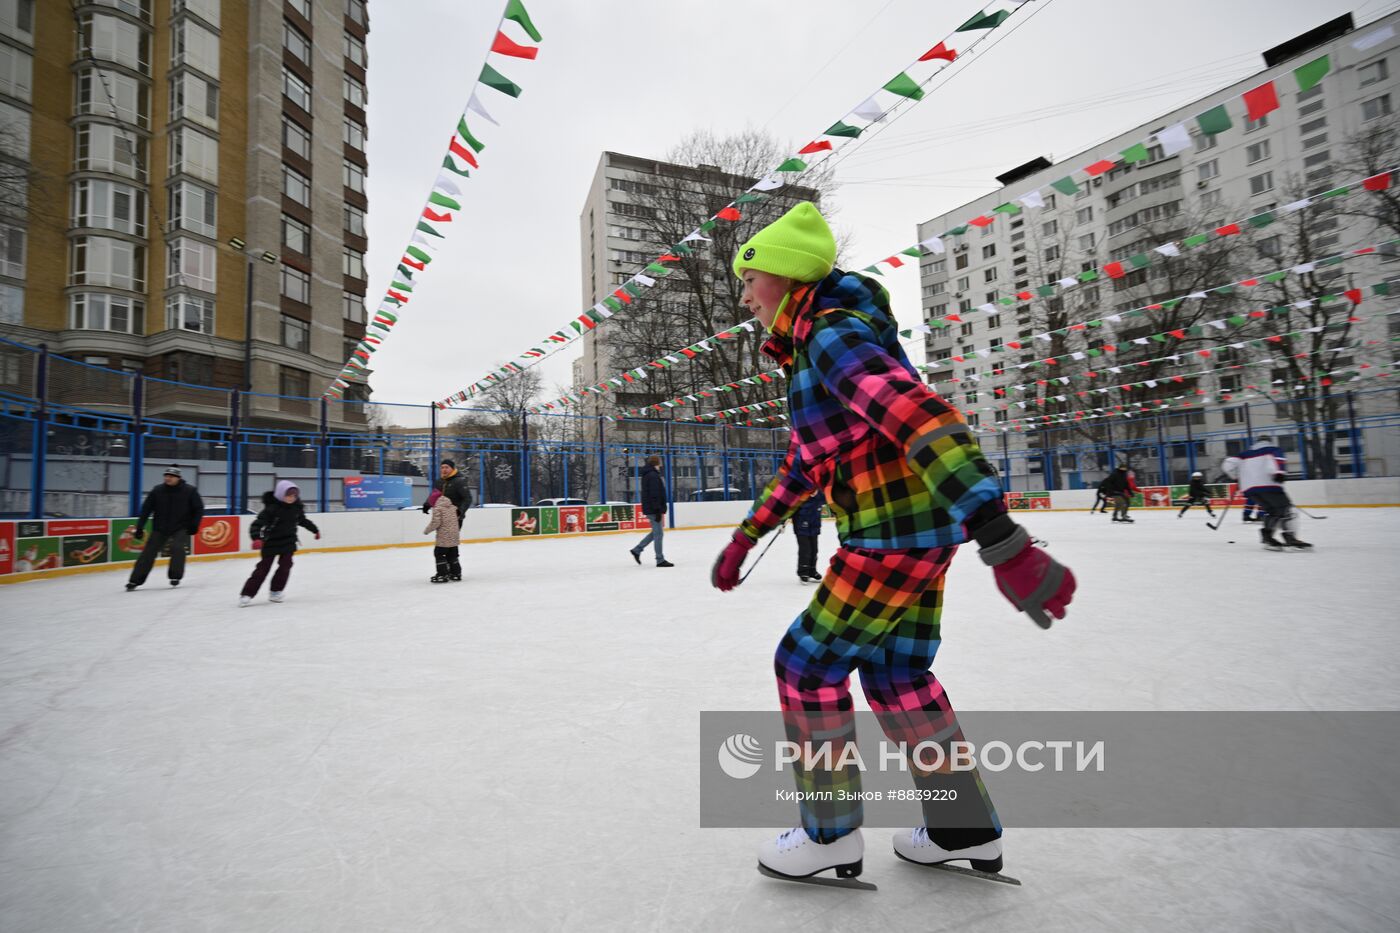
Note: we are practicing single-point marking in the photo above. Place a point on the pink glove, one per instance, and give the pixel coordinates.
(434, 497)
(725, 574)
(257, 544)
(1033, 581)
(318, 536)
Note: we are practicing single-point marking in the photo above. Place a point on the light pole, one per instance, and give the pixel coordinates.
(237, 414)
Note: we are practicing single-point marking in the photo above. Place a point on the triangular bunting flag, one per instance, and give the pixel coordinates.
(494, 79)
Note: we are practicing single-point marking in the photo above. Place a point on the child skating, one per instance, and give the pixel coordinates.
(907, 484)
(1197, 494)
(274, 533)
(443, 520)
(806, 527)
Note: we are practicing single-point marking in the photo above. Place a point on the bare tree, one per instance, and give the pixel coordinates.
(701, 295)
(1369, 152)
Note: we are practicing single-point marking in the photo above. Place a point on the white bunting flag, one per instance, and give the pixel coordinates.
(933, 244)
(1168, 249)
(1174, 139)
(767, 183)
(1304, 268)
(870, 110)
(645, 281)
(474, 105)
(1292, 206)
(1033, 199)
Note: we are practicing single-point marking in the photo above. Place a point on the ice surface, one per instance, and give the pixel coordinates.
(519, 751)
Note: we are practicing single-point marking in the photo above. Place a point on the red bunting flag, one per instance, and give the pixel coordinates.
(1023, 296)
(894, 261)
(394, 294)
(1228, 230)
(1099, 167)
(1260, 101)
(983, 221)
(1114, 270)
(413, 262)
(462, 152)
(730, 214)
(430, 214)
(622, 296)
(505, 46)
(1353, 295)
(954, 318)
(818, 146)
(1250, 282)
(1377, 182)
(940, 50)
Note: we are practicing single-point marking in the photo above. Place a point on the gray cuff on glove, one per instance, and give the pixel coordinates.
(1006, 548)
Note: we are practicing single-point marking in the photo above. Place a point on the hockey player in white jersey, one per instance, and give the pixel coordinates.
(1261, 472)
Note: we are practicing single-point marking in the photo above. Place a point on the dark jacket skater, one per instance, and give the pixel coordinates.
(806, 526)
(1197, 494)
(654, 508)
(174, 510)
(274, 531)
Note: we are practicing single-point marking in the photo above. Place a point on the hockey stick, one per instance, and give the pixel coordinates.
(1311, 515)
(762, 552)
(1223, 512)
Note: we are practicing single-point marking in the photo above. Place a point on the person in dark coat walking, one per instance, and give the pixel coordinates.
(274, 533)
(453, 485)
(174, 509)
(1101, 496)
(654, 508)
(1197, 494)
(806, 526)
(1120, 488)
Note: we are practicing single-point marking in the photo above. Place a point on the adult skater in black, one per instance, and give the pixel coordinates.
(454, 486)
(174, 509)
(1197, 495)
(1119, 487)
(1101, 496)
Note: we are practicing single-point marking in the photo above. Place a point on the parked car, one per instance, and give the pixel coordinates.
(561, 502)
(716, 494)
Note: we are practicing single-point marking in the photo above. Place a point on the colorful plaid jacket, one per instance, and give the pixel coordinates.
(898, 464)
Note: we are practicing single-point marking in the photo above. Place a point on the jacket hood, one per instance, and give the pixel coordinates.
(271, 498)
(285, 485)
(849, 290)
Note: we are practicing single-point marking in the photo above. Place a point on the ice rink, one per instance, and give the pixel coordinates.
(519, 751)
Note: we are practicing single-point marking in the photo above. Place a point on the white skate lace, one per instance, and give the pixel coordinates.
(919, 836)
(791, 839)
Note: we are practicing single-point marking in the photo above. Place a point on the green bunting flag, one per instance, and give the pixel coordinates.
(467, 136)
(424, 227)
(792, 165)
(1261, 220)
(905, 86)
(442, 200)
(418, 254)
(1214, 120)
(1065, 185)
(1135, 153)
(1314, 71)
(985, 21)
(494, 79)
(1008, 208)
(515, 12)
(450, 164)
(1195, 240)
(1139, 261)
(842, 129)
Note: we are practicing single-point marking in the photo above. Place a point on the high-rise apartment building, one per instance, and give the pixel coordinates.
(159, 156)
(1305, 147)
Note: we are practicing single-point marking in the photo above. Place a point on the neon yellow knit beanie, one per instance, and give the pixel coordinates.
(798, 245)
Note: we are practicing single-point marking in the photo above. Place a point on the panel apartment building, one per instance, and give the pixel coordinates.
(1216, 179)
(161, 155)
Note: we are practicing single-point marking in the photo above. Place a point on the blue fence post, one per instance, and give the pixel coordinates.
(1358, 462)
(235, 452)
(41, 434)
(524, 459)
(323, 461)
(1005, 463)
(1163, 468)
(724, 459)
(136, 448)
(1303, 453)
(432, 445)
(670, 475)
(602, 462)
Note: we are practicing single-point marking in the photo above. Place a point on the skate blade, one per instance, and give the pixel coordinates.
(960, 870)
(854, 883)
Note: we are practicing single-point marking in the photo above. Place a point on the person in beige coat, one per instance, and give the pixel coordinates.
(443, 520)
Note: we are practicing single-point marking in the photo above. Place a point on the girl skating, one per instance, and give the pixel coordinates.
(274, 533)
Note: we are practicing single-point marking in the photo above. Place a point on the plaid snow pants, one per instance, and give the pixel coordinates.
(876, 611)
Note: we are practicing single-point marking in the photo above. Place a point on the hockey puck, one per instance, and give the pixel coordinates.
(1232, 542)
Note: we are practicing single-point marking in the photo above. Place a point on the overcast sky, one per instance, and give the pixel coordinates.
(636, 77)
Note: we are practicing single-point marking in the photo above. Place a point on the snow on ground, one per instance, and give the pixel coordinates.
(519, 751)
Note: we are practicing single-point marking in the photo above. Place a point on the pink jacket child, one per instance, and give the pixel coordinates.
(443, 520)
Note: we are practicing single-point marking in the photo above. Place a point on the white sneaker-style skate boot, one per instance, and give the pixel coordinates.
(915, 846)
(793, 856)
(275, 597)
(245, 601)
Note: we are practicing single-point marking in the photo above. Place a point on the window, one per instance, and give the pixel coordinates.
(989, 251)
(130, 100)
(1251, 125)
(295, 383)
(192, 264)
(1086, 242)
(1372, 72)
(193, 208)
(1313, 126)
(989, 275)
(16, 72)
(352, 263)
(354, 220)
(193, 153)
(105, 148)
(354, 309)
(355, 12)
(355, 50)
(353, 177)
(1052, 253)
(294, 138)
(354, 134)
(193, 98)
(296, 186)
(195, 47)
(301, 6)
(355, 91)
(207, 10)
(1050, 228)
(1049, 202)
(1309, 109)
(960, 262)
(937, 288)
(296, 334)
(1211, 199)
(938, 267)
(111, 39)
(1375, 108)
(189, 312)
(17, 19)
(296, 236)
(988, 230)
(1084, 215)
(296, 43)
(1271, 246)
(964, 283)
(93, 311)
(965, 331)
(1205, 142)
(1208, 170)
(1257, 152)
(1316, 159)
(109, 205)
(295, 89)
(11, 251)
(296, 284)
(991, 298)
(965, 305)
(1258, 184)
(1319, 140)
